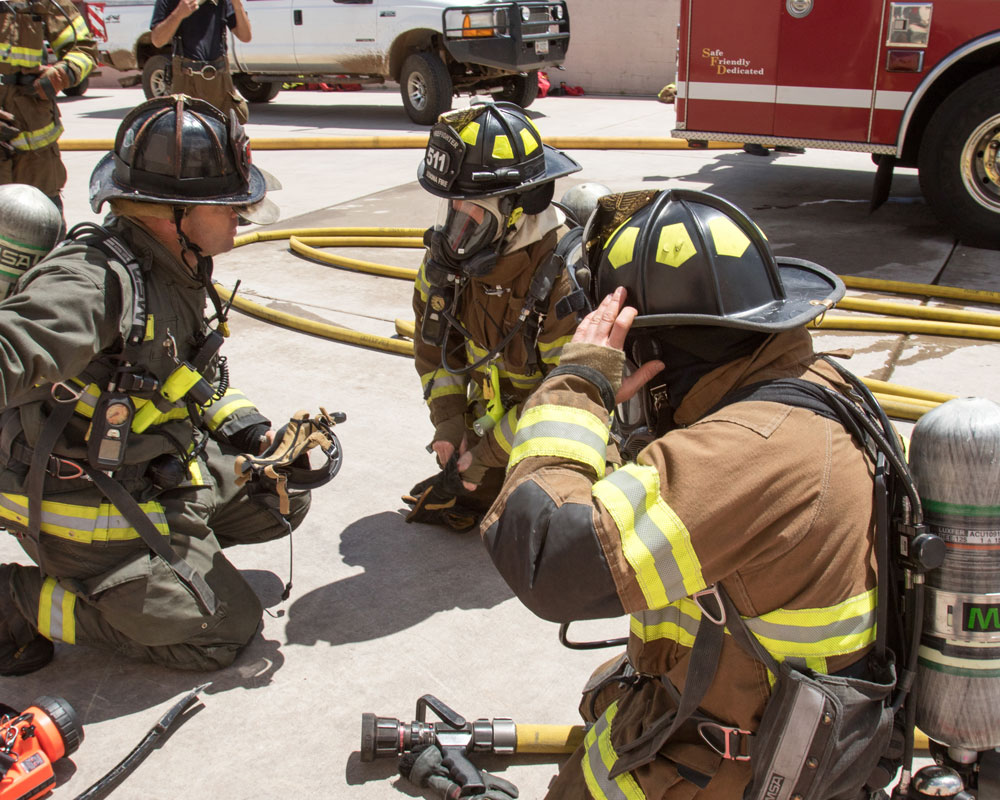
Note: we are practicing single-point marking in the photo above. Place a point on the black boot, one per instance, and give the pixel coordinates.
(22, 648)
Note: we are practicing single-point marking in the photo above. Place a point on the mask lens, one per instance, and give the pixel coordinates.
(468, 228)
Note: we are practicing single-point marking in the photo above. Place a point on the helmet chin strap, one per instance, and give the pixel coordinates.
(203, 269)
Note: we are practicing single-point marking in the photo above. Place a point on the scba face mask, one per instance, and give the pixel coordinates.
(467, 234)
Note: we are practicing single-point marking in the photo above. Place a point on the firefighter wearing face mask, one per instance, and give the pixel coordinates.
(768, 497)
(485, 299)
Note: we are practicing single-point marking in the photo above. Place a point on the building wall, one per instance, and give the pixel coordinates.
(620, 46)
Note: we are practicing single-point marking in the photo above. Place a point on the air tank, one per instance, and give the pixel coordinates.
(30, 226)
(955, 459)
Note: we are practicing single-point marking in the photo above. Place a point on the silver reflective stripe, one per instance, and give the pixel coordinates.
(598, 759)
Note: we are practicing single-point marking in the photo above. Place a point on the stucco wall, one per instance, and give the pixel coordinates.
(620, 46)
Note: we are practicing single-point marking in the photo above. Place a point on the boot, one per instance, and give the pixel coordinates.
(22, 648)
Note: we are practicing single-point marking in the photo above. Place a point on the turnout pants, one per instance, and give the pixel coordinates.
(117, 595)
(209, 82)
(36, 160)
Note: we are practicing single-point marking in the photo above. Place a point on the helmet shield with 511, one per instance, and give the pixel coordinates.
(181, 151)
(691, 258)
(488, 150)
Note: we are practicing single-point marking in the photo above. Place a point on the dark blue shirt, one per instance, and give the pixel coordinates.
(203, 34)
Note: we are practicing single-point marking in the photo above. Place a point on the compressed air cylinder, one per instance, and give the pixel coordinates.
(955, 459)
(30, 226)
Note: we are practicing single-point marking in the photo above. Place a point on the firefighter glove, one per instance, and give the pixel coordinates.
(8, 130)
(437, 500)
(431, 768)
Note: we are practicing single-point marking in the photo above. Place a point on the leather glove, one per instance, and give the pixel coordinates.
(436, 500)
(8, 130)
(447, 774)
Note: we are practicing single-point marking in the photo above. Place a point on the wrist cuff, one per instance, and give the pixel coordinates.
(594, 376)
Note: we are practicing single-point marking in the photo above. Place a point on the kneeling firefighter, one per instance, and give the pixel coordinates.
(486, 299)
(739, 539)
(120, 431)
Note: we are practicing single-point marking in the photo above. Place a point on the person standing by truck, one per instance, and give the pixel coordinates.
(29, 118)
(200, 64)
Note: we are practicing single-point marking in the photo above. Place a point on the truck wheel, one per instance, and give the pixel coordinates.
(154, 77)
(521, 89)
(959, 161)
(255, 91)
(79, 90)
(426, 87)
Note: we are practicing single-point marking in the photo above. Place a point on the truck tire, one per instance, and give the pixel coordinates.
(521, 89)
(255, 91)
(426, 87)
(959, 161)
(79, 90)
(154, 77)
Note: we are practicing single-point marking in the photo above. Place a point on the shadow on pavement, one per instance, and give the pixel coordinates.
(432, 568)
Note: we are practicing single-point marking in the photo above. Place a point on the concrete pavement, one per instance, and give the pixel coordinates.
(382, 612)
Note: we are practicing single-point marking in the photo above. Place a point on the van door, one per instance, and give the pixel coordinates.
(828, 52)
(269, 49)
(727, 60)
(333, 36)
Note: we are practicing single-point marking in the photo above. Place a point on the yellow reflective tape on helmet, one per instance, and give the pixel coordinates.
(502, 148)
(231, 402)
(598, 759)
(529, 141)
(444, 384)
(675, 245)
(728, 238)
(561, 432)
(57, 613)
(84, 524)
(38, 138)
(470, 133)
(77, 29)
(654, 540)
(83, 64)
(623, 250)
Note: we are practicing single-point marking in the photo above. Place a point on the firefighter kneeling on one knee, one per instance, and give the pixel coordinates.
(487, 329)
(119, 427)
(729, 499)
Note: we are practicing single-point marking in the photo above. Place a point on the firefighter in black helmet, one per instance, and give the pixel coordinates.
(731, 481)
(485, 299)
(123, 430)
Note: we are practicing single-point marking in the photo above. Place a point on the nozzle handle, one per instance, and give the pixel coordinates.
(462, 771)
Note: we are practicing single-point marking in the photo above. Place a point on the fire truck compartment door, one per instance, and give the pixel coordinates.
(729, 81)
(826, 72)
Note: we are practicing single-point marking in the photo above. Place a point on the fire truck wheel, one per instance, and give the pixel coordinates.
(959, 161)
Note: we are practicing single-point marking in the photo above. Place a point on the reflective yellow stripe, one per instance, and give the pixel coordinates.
(421, 284)
(599, 758)
(563, 432)
(77, 29)
(24, 57)
(80, 523)
(551, 352)
(530, 142)
(83, 64)
(444, 384)
(57, 612)
(470, 133)
(654, 540)
(505, 431)
(39, 138)
(502, 148)
(231, 402)
(805, 637)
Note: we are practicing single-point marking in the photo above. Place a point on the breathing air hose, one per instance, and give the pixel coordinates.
(902, 402)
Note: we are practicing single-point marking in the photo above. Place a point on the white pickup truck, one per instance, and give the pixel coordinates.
(433, 49)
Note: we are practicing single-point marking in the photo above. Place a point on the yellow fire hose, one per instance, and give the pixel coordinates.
(902, 402)
(419, 142)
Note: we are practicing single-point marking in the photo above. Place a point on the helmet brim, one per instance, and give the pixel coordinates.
(810, 290)
(252, 205)
(557, 165)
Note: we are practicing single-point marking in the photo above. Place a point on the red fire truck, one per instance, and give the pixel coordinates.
(916, 84)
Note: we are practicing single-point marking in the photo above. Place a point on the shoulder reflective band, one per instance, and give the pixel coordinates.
(598, 759)
(561, 432)
(654, 540)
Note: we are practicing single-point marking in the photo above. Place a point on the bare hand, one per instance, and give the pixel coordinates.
(266, 441)
(58, 78)
(443, 451)
(607, 326)
(185, 8)
(464, 462)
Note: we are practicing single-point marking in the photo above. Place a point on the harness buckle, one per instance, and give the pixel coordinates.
(716, 616)
(207, 71)
(733, 745)
(56, 465)
(74, 394)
